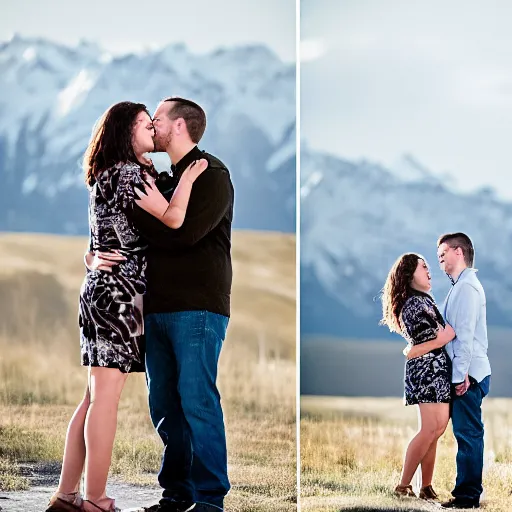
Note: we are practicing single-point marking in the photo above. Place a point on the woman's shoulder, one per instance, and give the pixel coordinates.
(128, 167)
(414, 301)
(128, 172)
(121, 168)
(120, 179)
(417, 302)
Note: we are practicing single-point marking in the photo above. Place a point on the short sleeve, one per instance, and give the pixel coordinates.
(130, 177)
(418, 318)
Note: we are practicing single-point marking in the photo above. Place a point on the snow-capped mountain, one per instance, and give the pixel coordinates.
(411, 170)
(358, 217)
(51, 95)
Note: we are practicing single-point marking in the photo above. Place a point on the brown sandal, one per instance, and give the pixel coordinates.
(57, 504)
(404, 491)
(115, 509)
(428, 493)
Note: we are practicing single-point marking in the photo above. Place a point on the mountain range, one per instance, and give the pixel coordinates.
(357, 217)
(51, 95)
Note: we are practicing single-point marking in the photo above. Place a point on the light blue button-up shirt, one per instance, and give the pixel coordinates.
(465, 310)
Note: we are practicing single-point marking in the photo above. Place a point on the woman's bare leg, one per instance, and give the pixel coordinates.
(432, 417)
(74, 451)
(106, 385)
(429, 460)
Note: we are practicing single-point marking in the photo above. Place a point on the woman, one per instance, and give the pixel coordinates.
(408, 309)
(110, 311)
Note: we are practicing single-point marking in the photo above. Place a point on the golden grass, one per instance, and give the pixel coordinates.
(10, 478)
(352, 452)
(41, 380)
(259, 415)
(263, 294)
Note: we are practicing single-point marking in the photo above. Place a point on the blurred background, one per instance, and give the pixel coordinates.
(406, 113)
(62, 64)
(66, 63)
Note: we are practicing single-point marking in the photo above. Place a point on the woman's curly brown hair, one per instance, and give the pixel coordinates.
(111, 140)
(397, 290)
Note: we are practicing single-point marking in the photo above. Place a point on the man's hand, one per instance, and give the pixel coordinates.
(461, 389)
(103, 260)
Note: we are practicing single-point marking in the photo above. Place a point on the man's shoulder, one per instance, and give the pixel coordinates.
(215, 162)
(470, 287)
(473, 282)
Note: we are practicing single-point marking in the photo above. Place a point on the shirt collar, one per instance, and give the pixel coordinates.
(463, 275)
(194, 154)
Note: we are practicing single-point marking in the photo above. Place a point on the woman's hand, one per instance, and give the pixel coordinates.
(413, 351)
(195, 169)
(171, 213)
(152, 200)
(444, 336)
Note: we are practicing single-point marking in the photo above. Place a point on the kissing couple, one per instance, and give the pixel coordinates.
(155, 299)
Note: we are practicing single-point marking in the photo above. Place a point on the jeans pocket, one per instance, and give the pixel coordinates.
(483, 386)
(217, 325)
(482, 392)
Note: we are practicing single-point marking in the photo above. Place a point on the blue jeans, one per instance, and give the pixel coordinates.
(182, 352)
(468, 430)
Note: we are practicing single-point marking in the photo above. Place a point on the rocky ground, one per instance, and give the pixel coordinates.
(44, 478)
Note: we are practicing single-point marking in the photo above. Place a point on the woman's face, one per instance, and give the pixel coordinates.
(142, 134)
(421, 279)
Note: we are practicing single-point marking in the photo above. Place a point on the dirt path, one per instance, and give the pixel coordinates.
(43, 479)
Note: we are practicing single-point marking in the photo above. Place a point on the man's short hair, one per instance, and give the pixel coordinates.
(461, 240)
(193, 115)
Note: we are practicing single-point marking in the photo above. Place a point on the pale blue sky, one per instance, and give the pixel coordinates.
(126, 25)
(432, 78)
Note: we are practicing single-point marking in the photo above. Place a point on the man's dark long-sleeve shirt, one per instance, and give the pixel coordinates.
(190, 268)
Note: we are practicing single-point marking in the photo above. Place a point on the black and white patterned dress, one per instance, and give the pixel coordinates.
(110, 312)
(427, 378)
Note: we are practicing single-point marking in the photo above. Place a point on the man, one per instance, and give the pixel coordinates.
(187, 309)
(465, 311)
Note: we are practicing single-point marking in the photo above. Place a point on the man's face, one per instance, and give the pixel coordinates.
(164, 127)
(448, 257)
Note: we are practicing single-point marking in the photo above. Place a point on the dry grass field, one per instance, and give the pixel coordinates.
(41, 379)
(352, 451)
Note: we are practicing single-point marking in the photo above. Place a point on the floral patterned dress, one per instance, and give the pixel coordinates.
(110, 311)
(427, 378)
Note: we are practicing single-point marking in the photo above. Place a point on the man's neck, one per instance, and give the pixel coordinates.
(457, 272)
(176, 154)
